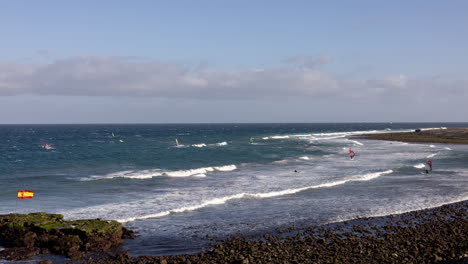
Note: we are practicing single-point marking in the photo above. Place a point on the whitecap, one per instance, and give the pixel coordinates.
(279, 137)
(357, 142)
(222, 200)
(187, 173)
(226, 168)
(280, 162)
(419, 166)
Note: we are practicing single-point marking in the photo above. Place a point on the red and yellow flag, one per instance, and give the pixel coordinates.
(25, 194)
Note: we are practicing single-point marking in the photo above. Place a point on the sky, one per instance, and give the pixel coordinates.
(240, 61)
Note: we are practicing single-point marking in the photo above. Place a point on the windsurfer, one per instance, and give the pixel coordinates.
(428, 166)
(351, 153)
(46, 145)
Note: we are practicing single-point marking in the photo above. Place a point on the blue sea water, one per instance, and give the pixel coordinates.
(215, 183)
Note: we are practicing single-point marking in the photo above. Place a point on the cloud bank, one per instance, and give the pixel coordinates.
(121, 76)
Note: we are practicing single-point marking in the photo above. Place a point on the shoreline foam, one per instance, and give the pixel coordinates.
(425, 236)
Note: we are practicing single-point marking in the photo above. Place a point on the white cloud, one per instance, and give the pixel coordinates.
(121, 76)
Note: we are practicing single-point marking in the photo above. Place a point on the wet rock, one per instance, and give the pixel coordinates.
(48, 233)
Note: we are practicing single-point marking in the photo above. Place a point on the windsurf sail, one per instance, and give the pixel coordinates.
(46, 145)
(113, 134)
(429, 165)
(176, 142)
(251, 140)
(351, 153)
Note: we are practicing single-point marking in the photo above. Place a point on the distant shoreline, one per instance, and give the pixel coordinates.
(448, 136)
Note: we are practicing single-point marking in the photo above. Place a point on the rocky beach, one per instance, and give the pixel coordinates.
(436, 235)
(27, 235)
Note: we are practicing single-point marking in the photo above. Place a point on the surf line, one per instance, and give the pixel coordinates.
(222, 200)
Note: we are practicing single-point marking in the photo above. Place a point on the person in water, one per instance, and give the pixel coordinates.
(428, 166)
(351, 153)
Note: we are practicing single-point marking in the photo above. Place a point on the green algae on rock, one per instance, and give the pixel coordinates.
(43, 233)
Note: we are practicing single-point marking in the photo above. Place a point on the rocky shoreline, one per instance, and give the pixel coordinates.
(452, 136)
(27, 235)
(436, 235)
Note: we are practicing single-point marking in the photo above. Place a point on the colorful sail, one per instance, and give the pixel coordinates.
(429, 164)
(351, 153)
(46, 145)
(25, 194)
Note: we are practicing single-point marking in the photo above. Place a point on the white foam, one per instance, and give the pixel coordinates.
(222, 200)
(202, 145)
(302, 135)
(447, 148)
(147, 174)
(280, 162)
(431, 155)
(432, 146)
(188, 173)
(279, 137)
(304, 158)
(357, 142)
(413, 207)
(431, 128)
(347, 133)
(226, 168)
(419, 166)
(143, 174)
(322, 138)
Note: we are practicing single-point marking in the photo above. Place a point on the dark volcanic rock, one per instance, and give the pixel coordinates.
(453, 136)
(31, 234)
(437, 235)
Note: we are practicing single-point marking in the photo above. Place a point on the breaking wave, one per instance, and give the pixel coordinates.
(147, 174)
(222, 200)
(202, 145)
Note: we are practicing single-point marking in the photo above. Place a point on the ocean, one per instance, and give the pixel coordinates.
(217, 183)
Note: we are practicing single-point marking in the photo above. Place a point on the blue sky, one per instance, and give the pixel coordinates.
(233, 61)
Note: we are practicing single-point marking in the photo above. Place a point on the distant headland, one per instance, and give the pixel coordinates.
(451, 136)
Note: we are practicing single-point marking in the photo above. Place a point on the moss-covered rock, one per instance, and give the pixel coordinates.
(52, 233)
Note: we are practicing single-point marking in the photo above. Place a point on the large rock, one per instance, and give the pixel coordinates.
(42, 232)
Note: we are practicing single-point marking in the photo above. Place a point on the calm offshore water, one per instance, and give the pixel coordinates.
(216, 183)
